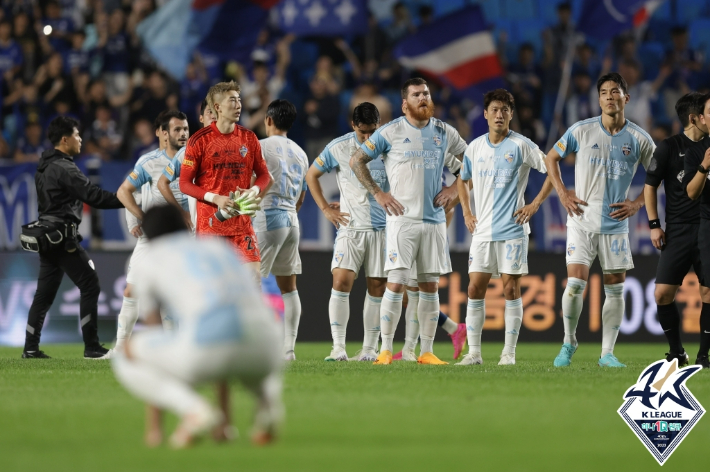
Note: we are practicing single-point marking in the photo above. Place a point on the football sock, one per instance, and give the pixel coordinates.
(428, 315)
(669, 318)
(513, 319)
(704, 330)
(572, 301)
(156, 387)
(339, 313)
(475, 317)
(168, 323)
(411, 327)
(292, 316)
(447, 324)
(126, 321)
(612, 313)
(371, 321)
(390, 312)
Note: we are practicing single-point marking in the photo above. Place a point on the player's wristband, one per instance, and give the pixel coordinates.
(209, 197)
(703, 169)
(653, 224)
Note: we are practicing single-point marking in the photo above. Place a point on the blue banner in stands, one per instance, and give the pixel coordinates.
(323, 18)
(605, 19)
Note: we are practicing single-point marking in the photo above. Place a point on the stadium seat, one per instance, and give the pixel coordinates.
(519, 9)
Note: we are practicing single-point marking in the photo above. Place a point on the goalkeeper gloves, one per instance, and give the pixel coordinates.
(245, 204)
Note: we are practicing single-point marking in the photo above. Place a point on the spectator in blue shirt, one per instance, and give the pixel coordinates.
(114, 44)
(61, 27)
(76, 59)
(31, 146)
(10, 52)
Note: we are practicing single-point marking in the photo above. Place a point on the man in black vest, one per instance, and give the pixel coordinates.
(62, 190)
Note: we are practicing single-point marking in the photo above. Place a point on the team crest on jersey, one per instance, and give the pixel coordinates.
(338, 256)
(660, 409)
(470, 260)
(370, 145)
(570, 249)
(626, 149)
(437, 140)
(681, 174)
(243, 150)
(393, 255)
(508, 156)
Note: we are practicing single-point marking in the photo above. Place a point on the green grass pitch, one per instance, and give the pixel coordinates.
(70, 414)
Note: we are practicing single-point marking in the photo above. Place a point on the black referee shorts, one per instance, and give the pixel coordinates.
(681, 252)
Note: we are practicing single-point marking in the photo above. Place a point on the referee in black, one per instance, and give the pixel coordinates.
(62, 191)
(697, 162)
(679, 242)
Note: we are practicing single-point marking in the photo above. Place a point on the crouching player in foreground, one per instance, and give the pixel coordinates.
(499, 164)
(225, 332)
(360, 241)
(277, 230)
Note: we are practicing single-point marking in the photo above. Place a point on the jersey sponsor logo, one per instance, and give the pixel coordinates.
(370, 145)
(392, 256)
(508, 156)
(319, 161)
(243, 150)
(562, 144)
(681, 174)
(660, 409)
(188, 163)
(133, 175)
(626, 149)
(406, 141)
(169, 170)
(425, 154)
(570, 249)
(596, 146)
(437, 140)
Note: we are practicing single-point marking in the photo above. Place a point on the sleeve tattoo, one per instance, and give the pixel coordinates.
(358, 163)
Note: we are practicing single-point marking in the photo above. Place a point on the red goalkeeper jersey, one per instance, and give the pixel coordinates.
(219, 163)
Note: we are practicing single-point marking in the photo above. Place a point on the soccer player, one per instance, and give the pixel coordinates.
(609, 149)
(697, 164)
(415, 149)
(226, 332)
(277, 229)
(144, 178)
(498, 165)
(360, 241)
(219, 159)
(168, 183)
(679, 242)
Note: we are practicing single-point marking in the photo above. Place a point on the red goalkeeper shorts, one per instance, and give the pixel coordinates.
(246, 246)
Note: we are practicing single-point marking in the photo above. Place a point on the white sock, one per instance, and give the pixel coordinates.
(612, 313)
(513, 319)
(169, 324)
(411, 327)
(157, 387)
(127, 318)
(339, 314)
(475, 317)
(428, 320)
(371, 322)
(292, 316)
(449, 326)
(390, 312)
(572, 301)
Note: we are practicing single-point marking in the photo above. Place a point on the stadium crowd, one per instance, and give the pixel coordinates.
(84, 58)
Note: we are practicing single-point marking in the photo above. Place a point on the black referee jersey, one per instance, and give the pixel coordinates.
(693, 158)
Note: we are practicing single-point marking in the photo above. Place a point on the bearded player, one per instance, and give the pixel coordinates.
(220, 159)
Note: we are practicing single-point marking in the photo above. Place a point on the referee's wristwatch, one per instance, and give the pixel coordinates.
(702, 169)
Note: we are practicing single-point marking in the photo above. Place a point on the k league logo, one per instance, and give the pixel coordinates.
(659, 409)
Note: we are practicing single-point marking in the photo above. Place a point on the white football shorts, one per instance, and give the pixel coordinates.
(499, 257)
(613, 250)
(279, 251)
(355, 249)
(423, 244)
(138, 255)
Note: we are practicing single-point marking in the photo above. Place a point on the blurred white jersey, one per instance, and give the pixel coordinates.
(144, 177)
(603, 170)
(500, 175)
(365, 213)
(287, 164)
(414, 161)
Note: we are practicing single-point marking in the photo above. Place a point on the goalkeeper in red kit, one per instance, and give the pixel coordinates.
(220, 159)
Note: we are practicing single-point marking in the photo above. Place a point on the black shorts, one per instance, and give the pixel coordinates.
(680, 253)
(704, 249)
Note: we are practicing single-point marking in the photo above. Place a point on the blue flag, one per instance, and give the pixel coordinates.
(604, 19)
(323, 17)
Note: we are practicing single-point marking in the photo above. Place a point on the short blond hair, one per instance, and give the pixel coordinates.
(217, 90)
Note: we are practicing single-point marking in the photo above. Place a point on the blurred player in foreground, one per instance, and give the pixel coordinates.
(169, 182)
(277, 230)
(498, 165)
(415, 149)
(144, 179)
(360, 241)
(225, 332)
(220, 159)
(679, 242)
(609, 149)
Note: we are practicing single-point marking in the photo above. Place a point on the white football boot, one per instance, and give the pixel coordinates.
(337, 354)
(472, 358)
(507, 359)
